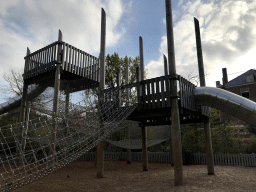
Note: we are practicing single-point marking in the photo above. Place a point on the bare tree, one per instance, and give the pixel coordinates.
(194, 78)
(14, 81)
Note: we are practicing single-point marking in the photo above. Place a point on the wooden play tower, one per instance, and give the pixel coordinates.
(165, 100)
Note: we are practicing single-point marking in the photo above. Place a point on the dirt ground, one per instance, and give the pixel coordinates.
(120, 176)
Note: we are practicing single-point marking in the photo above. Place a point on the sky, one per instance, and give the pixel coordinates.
(228, 32)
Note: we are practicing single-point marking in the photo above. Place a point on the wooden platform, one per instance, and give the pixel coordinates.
(154, 101)
(77, 66)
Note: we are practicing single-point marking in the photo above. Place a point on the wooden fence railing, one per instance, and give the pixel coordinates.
(152, 93)
(73, 59)
(187, 99)
(155, 93)
(40, 61)
(195, 158)
(79, 62)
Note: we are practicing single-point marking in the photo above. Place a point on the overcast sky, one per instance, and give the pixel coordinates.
(228, 32)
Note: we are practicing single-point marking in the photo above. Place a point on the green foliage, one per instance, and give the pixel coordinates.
(224, 139)
(215, 117)
(115, 64)
(192, 138)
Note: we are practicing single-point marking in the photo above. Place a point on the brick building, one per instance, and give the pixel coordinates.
(244, 85)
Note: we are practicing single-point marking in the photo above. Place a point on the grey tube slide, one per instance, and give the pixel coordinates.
(230, 103)
(16, 102)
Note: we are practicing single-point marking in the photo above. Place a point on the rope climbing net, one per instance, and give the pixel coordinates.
(43, 149)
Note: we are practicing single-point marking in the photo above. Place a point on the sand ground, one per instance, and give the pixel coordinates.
(119, 176)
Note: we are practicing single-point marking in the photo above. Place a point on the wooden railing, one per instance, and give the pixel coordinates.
(151, 94)
(79, 62)
(73, 60)
(187, 100)
(40, 61)
(155, 93)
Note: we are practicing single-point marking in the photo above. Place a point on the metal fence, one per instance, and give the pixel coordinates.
(188, 158)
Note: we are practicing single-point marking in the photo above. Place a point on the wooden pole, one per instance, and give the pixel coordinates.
(119, 92)
(127, 82)
(23, 107)
(139, 87)
(176, 136)
(26, 127)
(207, 130)
(144, 147)
(67, 107)
(128, 104)
(165, 65)
(102, 49)
(166, 73)
(56, 100)
(143, 128)
(141, 59)
(100, 146)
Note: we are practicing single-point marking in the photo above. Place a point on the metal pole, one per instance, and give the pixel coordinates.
(176, 135)
(207, 130)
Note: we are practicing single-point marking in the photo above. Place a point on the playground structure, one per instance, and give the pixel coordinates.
(66, 131)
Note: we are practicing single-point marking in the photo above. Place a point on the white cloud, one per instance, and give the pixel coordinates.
(227, 33)
(36, 23)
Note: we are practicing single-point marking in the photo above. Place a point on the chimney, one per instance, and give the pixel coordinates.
(218, 85)
(224, 75)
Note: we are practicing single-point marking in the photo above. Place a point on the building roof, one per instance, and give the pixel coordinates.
(241, 79)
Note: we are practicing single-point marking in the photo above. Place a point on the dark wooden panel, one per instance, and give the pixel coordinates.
(162, 92)
(168, 95)
(148, 95)
(158, 96)
(153, 98)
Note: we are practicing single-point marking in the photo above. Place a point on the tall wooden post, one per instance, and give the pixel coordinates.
(176, 136)
(207, 130)
(119, 92)
(144, 147)
(128, 104)
(56, 100)
(100, 146)
(67, 107)
(127, 82)
(166, 73)
(26, 127)
(141, 59)
(23, 107)
(165, 65)
(138, 87)
(143, 127)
